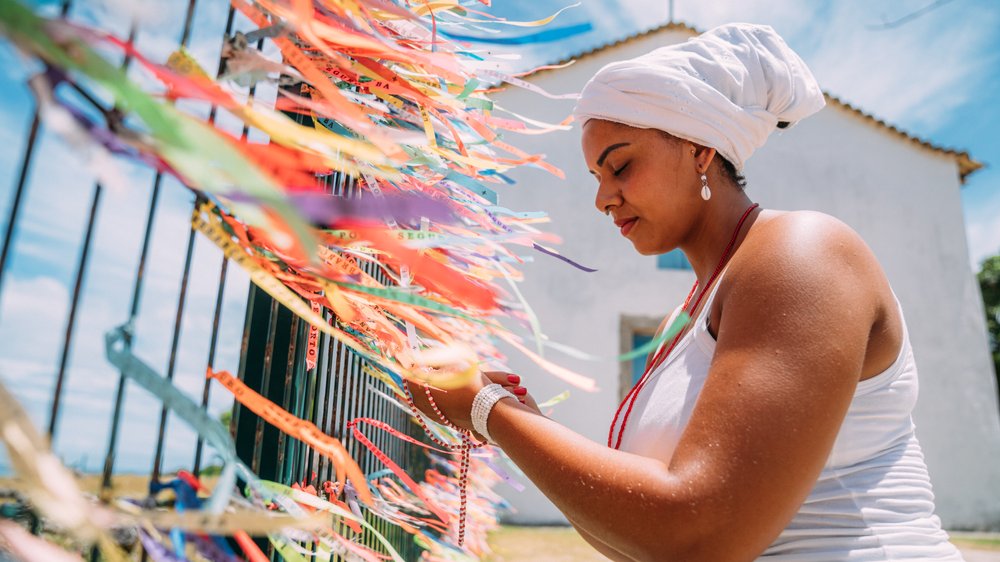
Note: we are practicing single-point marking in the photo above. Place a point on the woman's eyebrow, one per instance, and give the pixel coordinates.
(600, 160)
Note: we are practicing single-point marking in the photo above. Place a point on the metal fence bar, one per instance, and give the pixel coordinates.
(109, 458)
(22, 177)
(172, 361)
(81, 270)
(285, 458)
(15, 207)
(189, 251)
(212, 347)
(136, 294)
(329, 351)
(212, 114)
(265, 383)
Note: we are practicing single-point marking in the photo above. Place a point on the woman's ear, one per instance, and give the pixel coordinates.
(703, 157)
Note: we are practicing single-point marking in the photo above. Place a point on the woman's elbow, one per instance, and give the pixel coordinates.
(692, 538)
(670, 551)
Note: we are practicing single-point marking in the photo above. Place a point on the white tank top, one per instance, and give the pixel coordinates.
(873, 500)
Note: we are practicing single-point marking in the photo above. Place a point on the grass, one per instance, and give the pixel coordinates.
(979, 542)
(563, 544)
(122, 485)
(552, 544)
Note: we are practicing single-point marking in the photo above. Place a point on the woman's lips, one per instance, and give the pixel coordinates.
(627, 226)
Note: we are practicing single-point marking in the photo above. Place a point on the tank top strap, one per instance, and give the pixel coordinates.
(705, 308)
(699, 322)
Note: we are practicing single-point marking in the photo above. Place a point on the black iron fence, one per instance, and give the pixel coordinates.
(271, 354)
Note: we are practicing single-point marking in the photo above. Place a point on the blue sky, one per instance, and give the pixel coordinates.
(936, 77)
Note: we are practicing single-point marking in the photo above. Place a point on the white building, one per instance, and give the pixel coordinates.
(900, 193)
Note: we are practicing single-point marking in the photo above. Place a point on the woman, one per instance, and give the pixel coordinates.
(777, 424)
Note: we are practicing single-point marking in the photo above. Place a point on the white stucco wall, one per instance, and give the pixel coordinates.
(903, 199)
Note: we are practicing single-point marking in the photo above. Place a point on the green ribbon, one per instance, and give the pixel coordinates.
(675, 327)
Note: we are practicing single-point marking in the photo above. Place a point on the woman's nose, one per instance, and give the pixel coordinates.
(606, 198)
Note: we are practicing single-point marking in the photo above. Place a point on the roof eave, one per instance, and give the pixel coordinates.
(966, 164)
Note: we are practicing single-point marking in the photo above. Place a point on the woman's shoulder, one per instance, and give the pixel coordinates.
(805, 231)
(803, 254)
(814, 267)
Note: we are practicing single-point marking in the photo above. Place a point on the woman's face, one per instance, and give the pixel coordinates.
(648, 180)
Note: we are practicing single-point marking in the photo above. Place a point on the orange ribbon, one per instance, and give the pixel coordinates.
(305, 431)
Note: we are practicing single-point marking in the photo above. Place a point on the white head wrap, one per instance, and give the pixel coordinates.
(726, 89)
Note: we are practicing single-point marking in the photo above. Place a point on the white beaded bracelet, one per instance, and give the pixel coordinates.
(483, 403)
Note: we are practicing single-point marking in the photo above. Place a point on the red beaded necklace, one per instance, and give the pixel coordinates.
(465, 449)
(662, 355)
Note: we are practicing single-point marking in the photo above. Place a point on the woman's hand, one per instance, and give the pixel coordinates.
(456, 404)
(512, 383)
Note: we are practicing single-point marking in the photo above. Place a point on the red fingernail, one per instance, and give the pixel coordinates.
(513, 379)
(520, 391)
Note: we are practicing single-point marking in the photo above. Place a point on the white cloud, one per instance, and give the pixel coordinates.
(32, 312)
(148, 14)
(32, 309)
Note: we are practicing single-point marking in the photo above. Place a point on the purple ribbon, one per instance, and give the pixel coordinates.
(326, 209)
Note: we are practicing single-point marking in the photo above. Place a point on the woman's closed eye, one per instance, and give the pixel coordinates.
(618, 172)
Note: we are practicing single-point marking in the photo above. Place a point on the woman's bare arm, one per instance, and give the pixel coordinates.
(790, 351)
(599, 546)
